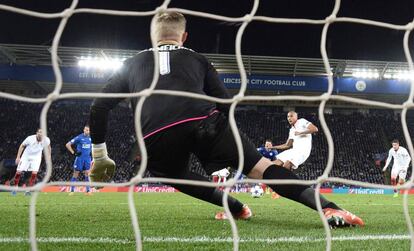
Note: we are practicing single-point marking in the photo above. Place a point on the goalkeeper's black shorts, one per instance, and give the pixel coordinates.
(210, 139)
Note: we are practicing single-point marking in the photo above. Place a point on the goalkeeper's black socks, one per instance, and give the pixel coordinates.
(299, 193)
(210, 194)
(234, 205)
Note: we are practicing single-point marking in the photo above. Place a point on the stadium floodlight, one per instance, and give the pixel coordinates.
(100, 63)
(366, 73)
(399, 75)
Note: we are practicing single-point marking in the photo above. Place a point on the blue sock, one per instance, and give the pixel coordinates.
(87, 179)
(72, 188)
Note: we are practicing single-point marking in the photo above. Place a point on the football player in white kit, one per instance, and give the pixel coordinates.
(32, 148)
(401, 162)
(299, 144)
(222, 175)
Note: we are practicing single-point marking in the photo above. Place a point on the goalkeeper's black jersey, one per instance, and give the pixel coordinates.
(181, 69)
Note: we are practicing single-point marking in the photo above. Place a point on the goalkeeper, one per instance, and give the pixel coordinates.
(174, 126)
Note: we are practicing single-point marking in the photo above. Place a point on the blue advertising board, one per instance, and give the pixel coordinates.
(231, 81)
(317, 84)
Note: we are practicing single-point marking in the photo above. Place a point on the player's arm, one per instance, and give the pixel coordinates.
(69, 147)
(287, 145)
(101, 107)
(310, 129)
(19, 153)
(50, 152)
(104, 167)
(387, 162)
(70, 144)
(407, 158)
(215, 88)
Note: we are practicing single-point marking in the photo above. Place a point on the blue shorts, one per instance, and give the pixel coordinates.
(82, 163)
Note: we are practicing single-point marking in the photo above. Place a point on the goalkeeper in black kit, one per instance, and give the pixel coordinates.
(174, 127)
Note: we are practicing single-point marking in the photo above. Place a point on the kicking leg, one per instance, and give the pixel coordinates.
(303, 194)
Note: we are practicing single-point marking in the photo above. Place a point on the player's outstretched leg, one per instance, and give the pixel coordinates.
(214, 196)
(336, 216)
(341, 218)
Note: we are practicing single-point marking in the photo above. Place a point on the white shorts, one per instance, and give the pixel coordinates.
(29, 165)
(401, 172)
(293, 156)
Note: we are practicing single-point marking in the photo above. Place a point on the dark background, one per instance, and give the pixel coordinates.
(345, 40)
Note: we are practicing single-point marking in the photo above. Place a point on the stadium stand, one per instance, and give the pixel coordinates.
(360, 138)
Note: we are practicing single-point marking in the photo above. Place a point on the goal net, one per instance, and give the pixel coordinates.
(241, 96)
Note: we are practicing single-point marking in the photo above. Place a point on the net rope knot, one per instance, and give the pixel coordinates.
(238, 98)
(248, 18)
(136, 179)
(67, 13)
(330, 19)
(53, 96)
(410, 26)
(146, 93)
(321, 179)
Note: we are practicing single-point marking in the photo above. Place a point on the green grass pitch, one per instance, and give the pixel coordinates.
(173, 221)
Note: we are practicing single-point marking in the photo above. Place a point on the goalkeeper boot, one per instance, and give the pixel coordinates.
(245, 214)
(342, 218)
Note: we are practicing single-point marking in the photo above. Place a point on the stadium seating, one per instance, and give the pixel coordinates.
(360, 138)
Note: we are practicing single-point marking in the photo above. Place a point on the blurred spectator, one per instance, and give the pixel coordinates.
(360, 140)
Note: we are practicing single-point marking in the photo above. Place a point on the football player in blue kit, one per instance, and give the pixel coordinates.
(267, 151)
(80, 146)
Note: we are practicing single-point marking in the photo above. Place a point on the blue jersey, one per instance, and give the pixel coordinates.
(83, 144)
(270, 154)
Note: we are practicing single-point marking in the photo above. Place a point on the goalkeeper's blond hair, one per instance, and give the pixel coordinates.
(168, 25)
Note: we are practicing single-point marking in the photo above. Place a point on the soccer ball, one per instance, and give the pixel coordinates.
(256, 191)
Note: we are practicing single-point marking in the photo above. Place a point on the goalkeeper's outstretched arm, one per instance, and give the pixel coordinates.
(104, 167)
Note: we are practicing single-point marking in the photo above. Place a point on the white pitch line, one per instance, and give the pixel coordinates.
(203, 239)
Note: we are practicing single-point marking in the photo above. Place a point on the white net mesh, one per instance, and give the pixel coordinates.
(245, 20)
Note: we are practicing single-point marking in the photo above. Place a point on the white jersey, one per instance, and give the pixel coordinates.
(221, 173)
(33, 148)
(301, 143)
(401, 157)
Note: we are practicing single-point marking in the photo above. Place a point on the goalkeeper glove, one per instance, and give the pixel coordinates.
(103, 168)
(77, 154)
